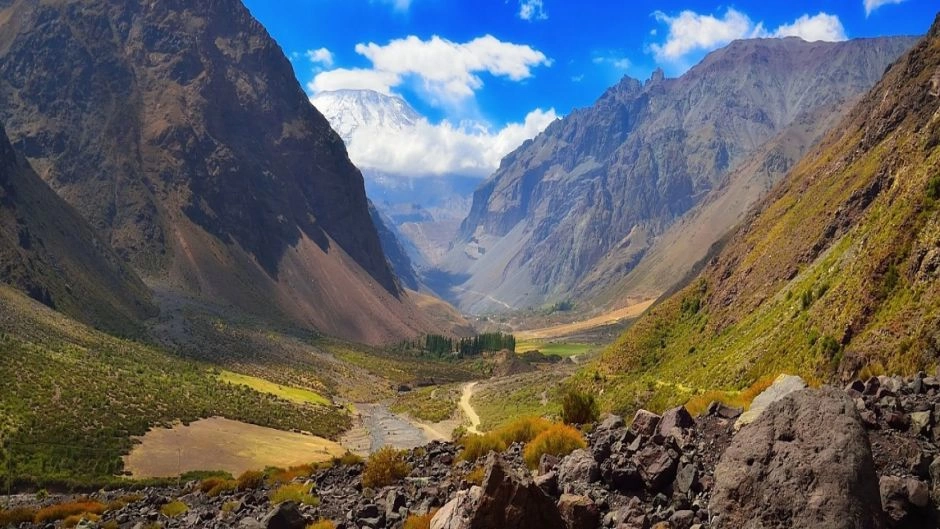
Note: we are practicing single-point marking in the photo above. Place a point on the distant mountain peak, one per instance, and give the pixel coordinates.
(349, 110)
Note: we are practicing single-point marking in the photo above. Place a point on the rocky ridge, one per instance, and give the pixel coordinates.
(876, 464)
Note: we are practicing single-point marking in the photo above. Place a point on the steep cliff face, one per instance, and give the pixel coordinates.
(607, 180)
(836, 271)
(179, 130)
(48, 251)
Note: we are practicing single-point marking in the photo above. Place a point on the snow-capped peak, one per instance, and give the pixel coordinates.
(348, 110)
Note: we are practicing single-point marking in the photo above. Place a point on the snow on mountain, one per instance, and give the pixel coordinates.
(349, 110)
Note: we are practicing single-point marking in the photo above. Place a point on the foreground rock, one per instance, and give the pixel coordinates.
(508, 499)
(782, 386)
(805, 462)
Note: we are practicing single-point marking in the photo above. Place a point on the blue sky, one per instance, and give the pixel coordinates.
(496, 61)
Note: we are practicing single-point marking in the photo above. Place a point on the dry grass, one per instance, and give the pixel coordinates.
(422, 521)
(61, 511)
(295, 492)
(736, 399)
(250, 480)
(215, 486)
(559, 440)
(476, 475)
(282, 475)
(73, 520)
(322, 524)
(17, 516)
(385, 467)
(477, 446)
(174, 509)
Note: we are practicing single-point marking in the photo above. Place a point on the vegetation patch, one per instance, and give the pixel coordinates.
(298, 395)
(559, 440)
(61, 511)
(296, 492)
(385, 467)
(420, 521)
(535, 394)
(431, 404)
(552, 348)
(579, 407)
(322, 524)
(174, 509)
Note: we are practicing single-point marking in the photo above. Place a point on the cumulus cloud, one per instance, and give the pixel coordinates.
(812, 28)
(532, 10)
(690, 32)
(871, 5)
(321, 56)
(468, 148)
(449, 71)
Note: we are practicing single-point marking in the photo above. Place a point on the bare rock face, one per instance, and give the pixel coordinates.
(805, 462)
(508, 499)
(179, 130)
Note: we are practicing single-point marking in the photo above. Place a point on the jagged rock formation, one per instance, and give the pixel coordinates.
(51, 253)
(578, 207)
(835, 270)
(179, 130)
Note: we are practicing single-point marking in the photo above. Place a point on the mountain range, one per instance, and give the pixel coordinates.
(178, 130)
(573, 212)
(833, 275)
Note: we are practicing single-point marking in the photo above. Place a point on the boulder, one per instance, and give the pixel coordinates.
(507, 499)
(675, 419)
(284, 516)
(785, 470)
(644, 423)
(903, 499)
(782, 386)
(657, 466)
(578, 467)
(578, 512)
(720, 409)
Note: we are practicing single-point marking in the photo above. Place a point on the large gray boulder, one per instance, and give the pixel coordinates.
(508, 499)
(805, 462)
(782, 386)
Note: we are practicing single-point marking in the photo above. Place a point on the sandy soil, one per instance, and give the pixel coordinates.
(468, 409)
(567, 329)
(221, 444)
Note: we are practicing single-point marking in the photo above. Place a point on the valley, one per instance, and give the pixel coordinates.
(251, 279)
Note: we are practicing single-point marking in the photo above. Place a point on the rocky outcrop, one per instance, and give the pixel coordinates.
(805, 462)
(48, 251)
(179, 130)
(583, 201)
(781, 387)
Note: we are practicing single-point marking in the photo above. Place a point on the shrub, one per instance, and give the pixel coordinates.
(250, 480)
(110, 524)
(736, 399)
(17, 516)
(73, 520)
(422, 521)
(476, 475)
(385, 467)
(174, 509)
(348, 459)
(281, 475)
(295, 492)
(212, 487)
(322, 524)
(522, 430)
(559, 440)
(933, 188)
(578, 407)
(477, 446)
(458, 433)
(123, 501)
(53, 513)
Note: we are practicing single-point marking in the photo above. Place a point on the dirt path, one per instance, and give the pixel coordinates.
(468, 409)
(567, 329)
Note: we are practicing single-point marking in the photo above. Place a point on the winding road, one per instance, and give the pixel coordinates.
(468, 409)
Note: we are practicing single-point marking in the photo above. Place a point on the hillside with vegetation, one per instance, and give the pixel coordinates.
(834, 275)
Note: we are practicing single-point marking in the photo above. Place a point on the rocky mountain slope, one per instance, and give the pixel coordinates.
(180, 132)
(582, 203)
(834, 273)
(48, 251)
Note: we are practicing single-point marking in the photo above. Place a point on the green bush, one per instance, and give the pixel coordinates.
(174, 509)
(385, 467)
(295, 492)
(579, 408)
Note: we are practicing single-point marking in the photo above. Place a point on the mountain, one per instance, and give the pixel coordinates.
(179, 131)
(426, 210)
(394, 250)
(581, 204)
(48, 251)
(833, 275)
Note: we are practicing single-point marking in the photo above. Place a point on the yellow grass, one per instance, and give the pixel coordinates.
(567, 329)
(736, 399)
(298, 395)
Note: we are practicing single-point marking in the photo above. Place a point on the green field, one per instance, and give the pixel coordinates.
(298, 395)
(554, 348)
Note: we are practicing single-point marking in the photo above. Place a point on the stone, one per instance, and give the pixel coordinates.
(898, 421)
(507, 499)
(284, 516)
(644, 423)
(686, 479)
(578, 466)
(782, 386)
(682, 519)
(675, 419)
(394, 502)
(920, 422)
(611, 422)
(657, 466)
(548, 482)
(784, 470)
(578, 512)
(903, 499)
(872, 385)
(719, 409)
(547, 463)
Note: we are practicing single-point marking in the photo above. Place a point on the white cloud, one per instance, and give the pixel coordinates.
(871, 5)
(321, 56)
(468, 148)
(450, 71)
(812, 28)
(618, 62)
(690, 32)
(532, 10)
